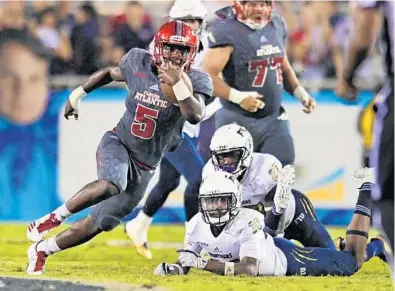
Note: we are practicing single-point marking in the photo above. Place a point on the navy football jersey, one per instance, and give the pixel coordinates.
(151, 124)
(255, 64)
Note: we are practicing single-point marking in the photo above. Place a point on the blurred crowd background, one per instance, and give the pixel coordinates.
(84, 36)
(72, 39)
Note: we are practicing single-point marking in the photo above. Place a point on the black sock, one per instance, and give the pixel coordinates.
(364, 203)
(272, 221)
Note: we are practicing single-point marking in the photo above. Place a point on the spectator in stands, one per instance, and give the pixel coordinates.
(84, 38)
(134, 33)
(13, 16)
(311, 43)
(54, 40)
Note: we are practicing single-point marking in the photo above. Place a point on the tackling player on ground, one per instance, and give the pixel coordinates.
(247, 46)
(127, 155)
(234, 239)
(268, 188)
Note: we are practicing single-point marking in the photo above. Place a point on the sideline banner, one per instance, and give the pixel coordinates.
(46, 163)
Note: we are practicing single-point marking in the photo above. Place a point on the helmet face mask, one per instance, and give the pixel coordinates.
(216, 209)
(229, 160)
(176, 54)
(219, 198)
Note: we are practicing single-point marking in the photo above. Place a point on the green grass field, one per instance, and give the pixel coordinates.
(97, 261)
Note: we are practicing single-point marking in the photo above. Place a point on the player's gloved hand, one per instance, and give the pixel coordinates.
(72, 106)
(249, 101)
(191, 259)
(170, 74)
(164, 269)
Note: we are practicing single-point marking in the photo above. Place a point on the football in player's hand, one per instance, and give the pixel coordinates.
(168, 90)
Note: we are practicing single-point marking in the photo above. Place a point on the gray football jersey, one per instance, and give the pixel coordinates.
(255, 64)
(151, 124)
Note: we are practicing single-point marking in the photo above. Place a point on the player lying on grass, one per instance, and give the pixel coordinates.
(234, 239)
(268, 188)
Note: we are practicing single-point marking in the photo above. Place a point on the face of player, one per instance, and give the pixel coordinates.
(23, 84)
(216, 208)
(257, 11)
(229, 161)
(176, 54)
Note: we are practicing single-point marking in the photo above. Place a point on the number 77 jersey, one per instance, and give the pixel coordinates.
(255, 64)
(151, 124)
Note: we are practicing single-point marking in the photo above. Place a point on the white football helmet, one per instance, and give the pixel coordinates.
(189, 10)
(219, 198)
(231, 149)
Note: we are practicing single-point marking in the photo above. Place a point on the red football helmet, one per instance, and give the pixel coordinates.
(175, 41)
(255, 15)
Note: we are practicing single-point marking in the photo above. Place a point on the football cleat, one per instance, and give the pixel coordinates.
(364, 175)
(285, 184)
(340, 243)
(387, 248)
(36, 264)
(139, 238)
(40, 227)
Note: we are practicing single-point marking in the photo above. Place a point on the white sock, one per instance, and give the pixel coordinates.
(62, 212)
(49, 246)
(144, 220)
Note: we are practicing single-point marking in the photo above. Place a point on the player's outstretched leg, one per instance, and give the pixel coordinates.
(112, 171)
(89, 195)
(377, 246)
(79, 233)
(358, 229)
(285, 183)
(137, 229)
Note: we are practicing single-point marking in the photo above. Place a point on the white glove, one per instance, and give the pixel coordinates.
(191, 259)
(164, 269)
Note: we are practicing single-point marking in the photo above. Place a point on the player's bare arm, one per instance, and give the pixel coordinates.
(99, 79)
(191, 105)
(293, 86)
(214, 62)
(367, 26)
(247, 266)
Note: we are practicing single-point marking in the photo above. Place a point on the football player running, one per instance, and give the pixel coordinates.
(127, 155)
(185, 160)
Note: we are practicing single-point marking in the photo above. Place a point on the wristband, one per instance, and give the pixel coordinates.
(76, 96)
(229, 269)
(301, 94)
(237, 96)
(181, 90)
